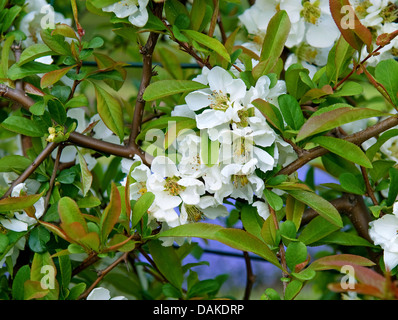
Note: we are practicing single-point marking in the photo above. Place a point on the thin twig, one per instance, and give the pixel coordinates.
(53, 176)
(250, 277)
(33, 166)
(369, 190)
(102, 274)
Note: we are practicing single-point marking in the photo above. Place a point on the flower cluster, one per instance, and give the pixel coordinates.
(310, 21)
(194, 184)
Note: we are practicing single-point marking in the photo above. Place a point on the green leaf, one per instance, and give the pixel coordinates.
(296, 252)
(164, 88)
(346, 239)
(38, 239)
(294, 211)
(86, 176)
(21, 277)
(273, 199)
(55, 42)
(209, 42)
(293, 289)
(4, 241)
(295, 84)
(393, 190)
(291, 111)
(251, 221)
(352, 183)
(111, 213)
(43, 266)
(11, 15)
(64, 30)
(5, 52)
(349, 88)
(141, 207)
(386, 73)
(274, 41)
(14, 163)
(333, 117)
(29, 69)
(57, 111)
(344, 149)
(110, 111)
(167, 262)
(65, 267)
(234, 238)
(23, 126)
(18, 203)
(33, 52)
(54, 76)
(384, 137)
(319, 204)
(197, 13)
(316, 229)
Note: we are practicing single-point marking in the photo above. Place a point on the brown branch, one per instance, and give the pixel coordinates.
(53, 176)
(147, 72)
(77, 138)
(34, 165)
(250, 277)
(356, 138)
(369, 190)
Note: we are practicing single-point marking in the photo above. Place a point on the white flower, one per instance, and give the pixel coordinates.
(30, 24)
(135, 10)
(169, 187)
(140, 174)
(262, 209)
(21, 220)
(103, 294)
(240, 181)
(384, 232)
(222, 99)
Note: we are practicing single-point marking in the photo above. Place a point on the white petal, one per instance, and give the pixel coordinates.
(99, 294)
(198, 100)
(14, 225)
(262, 209)
(164, 167)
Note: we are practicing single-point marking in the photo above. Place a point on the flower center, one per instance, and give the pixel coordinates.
(389, 13)
(172, 186)
(239, 180)
(194, 213)
(306, 53)
(143, 188)
(219, 101)
(361, 9)
(311, 11)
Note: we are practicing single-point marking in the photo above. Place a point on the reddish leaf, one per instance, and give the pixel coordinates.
(359, 288)
(111, 214)
(337, 261)
(54, 76)
(353, 31)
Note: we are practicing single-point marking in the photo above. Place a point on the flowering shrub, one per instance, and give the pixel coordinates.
(111, 174)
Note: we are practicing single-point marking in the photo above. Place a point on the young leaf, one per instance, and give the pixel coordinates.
(35, 51)
(69, 213)
(54, 76)
(28, 69)
(336, 116)
(5, 52)
(296, 252)
(110, 111)
(315, 230)
(353, 31)
(352, 183)
(344, 149)
(18, 203)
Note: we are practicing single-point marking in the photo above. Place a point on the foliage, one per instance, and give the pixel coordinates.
(129, 171)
